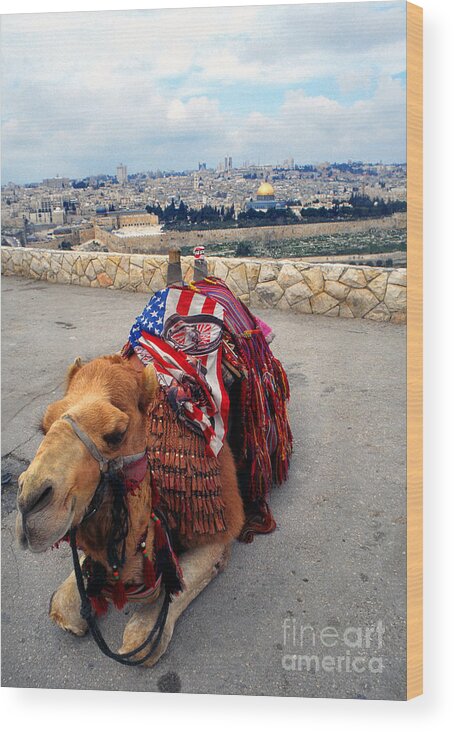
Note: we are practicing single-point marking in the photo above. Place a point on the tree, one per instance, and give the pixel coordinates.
(243, 249)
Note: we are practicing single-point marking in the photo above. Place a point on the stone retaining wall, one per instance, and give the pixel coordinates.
(337, 290)
(259, 234)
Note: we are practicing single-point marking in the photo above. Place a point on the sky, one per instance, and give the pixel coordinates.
(82, 92)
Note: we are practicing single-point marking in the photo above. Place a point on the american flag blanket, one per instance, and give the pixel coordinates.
(180, 332)
(193, 335)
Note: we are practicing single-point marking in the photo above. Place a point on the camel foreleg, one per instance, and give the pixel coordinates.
(64, 607)
(199, 567)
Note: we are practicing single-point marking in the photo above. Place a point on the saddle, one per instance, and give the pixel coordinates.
(219, 380)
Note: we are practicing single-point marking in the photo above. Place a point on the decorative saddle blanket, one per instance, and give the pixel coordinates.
(196, 336)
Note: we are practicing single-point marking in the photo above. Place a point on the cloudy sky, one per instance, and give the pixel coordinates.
(167, 89)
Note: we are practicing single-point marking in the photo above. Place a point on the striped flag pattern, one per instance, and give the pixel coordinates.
(180, 332)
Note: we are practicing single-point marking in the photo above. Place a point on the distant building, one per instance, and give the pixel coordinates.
(122, 174)
(124, 219)
(198, 183)
(58, 183)
(265, 198)
(47, 215)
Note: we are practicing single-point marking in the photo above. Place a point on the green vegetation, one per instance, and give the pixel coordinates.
(360, 207)
(182, 218)
(375, 241)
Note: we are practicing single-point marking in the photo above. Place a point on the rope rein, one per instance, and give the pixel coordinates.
(110, 470)
(87, 614)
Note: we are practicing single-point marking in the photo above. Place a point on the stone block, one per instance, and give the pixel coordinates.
(288, 276)
(269, 292)
(334, 312)
(314, 278)
(378, 285)
(322, 302)
(104, 279)
(398, 318)
(297, 292)
(239, 278)
(396, 298)
(354, 278)
(220, 269)
(135, 275)
(371, 272)
(361, 301)
(157, 281)
(252, 272)
(398, 277)
(344, 311)
(379, 313)
(303, 307)
(111, 268)
(336, 289)
(332, 271)
(268, 272)
(121, 279)
(63, 277)
(90, 271)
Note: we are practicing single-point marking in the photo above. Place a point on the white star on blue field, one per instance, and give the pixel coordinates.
(151, 318)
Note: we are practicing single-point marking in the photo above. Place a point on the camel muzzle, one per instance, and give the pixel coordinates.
(34, 501)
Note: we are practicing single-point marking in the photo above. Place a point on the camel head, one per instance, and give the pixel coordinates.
(107, 399)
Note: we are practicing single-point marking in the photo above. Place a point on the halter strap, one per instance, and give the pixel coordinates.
(105, 465)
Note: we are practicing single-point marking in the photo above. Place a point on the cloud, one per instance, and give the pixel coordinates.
(166, 88)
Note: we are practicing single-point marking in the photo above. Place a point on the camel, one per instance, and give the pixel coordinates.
(110, 399)
(100, 479)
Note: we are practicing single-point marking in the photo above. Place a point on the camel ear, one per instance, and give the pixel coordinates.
(150, 386)
(72, 371)
(53, 412)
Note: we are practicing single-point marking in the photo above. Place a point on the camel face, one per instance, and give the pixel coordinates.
(107, 400)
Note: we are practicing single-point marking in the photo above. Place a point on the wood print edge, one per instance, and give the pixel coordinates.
(414, 352)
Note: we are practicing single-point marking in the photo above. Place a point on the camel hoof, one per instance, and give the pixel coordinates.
(139, 627)
(65, 613)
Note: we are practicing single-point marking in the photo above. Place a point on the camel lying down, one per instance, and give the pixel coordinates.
(109, 400)
(94, 478)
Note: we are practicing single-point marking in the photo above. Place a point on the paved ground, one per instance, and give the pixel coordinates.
(337, 559)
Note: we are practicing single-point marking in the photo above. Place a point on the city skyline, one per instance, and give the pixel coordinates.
(166, 89)
(267, 170)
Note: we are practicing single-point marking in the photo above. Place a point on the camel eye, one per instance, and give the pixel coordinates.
(113, 439)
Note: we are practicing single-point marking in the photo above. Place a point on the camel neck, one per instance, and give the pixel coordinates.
(93, 536)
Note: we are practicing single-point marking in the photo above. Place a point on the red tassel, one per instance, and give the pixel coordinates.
(155, 497)
(149, 573)
(119, 596)
(99, 605)
(160, 540)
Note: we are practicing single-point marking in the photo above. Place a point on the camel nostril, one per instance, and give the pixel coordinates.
(40, 501)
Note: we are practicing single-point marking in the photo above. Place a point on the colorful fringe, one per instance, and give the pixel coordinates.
(186, 477)
(260, 407)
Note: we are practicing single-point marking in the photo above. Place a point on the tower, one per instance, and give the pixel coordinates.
(122, 174)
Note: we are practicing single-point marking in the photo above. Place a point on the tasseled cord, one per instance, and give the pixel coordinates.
(149, 572)
(99, 605)
(119, 596)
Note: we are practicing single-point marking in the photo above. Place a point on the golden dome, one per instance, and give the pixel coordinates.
(266, 189)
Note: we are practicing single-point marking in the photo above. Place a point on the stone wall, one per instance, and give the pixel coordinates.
(261, 234)
(336, 290)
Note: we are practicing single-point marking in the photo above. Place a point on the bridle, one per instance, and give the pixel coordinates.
(109, 468)
(106, 466)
